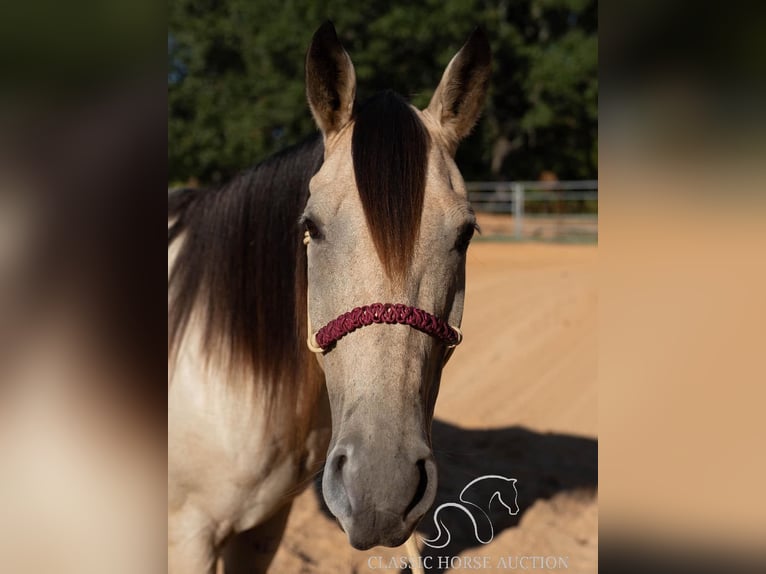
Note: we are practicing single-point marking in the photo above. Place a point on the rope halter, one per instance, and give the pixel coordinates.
(389, 314)
(386, 313)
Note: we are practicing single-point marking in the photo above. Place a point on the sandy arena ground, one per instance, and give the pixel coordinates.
(518, 399)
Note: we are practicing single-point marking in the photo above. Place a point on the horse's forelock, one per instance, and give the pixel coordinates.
(390, 154)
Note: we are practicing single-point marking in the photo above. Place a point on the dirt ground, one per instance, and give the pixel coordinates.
(518, 399)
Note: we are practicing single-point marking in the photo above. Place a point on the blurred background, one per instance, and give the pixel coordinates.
(236, 94)
(236, 91)
(88, 109)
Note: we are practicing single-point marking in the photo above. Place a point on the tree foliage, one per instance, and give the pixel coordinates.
(236, 87)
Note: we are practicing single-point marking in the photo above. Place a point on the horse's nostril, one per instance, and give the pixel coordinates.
(337, 485)
(421, 489)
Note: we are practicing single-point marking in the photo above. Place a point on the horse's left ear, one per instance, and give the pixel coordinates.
(330, 80)
(459, 98)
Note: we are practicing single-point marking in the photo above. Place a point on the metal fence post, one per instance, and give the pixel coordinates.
(518, 210)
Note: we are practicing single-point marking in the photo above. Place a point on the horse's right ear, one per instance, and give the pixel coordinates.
(330, 81)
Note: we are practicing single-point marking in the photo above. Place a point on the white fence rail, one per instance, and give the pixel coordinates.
(537, 209)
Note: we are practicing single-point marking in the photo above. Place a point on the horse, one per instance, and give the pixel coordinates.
(313, 301)
(501, 488)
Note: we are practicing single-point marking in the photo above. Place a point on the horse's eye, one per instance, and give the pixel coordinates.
(464, 238)
(311, 227)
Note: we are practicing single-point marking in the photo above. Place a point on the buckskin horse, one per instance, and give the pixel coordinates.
(312, 303)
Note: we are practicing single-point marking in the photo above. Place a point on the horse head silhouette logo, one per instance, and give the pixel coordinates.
(503, 489)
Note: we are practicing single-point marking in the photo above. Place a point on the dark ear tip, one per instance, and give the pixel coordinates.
(326, 32)
(325, 42)
(479, 43)
(479, 36)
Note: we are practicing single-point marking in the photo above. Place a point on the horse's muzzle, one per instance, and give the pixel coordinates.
(379, 495)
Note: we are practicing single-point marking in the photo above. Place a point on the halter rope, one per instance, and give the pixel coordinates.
(386, 313)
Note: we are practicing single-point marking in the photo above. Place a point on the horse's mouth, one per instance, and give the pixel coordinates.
(361, 539)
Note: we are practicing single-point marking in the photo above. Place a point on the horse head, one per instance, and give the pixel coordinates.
(387, 221)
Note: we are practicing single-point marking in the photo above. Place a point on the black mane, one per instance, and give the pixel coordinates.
(242, 258)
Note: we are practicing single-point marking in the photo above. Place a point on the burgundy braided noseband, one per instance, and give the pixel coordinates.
(388, 313)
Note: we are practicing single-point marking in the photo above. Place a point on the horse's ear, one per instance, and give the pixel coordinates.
(330, 80)
(459, 98)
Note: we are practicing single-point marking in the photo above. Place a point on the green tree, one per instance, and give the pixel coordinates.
(236, 91)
